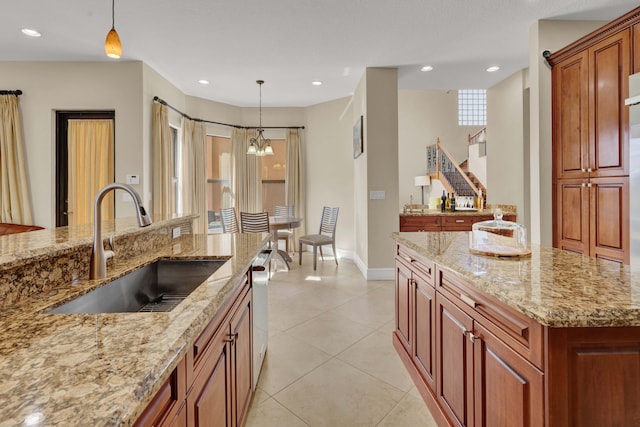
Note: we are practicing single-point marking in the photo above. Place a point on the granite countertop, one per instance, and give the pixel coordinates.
(102, 369)
(506, 210)
(554, 287)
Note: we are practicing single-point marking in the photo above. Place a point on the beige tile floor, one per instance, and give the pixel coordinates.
(330, 361)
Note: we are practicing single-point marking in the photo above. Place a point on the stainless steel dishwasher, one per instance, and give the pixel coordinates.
(260, 294)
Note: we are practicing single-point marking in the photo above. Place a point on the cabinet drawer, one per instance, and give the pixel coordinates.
(204, 339)
(420, 223)
(416, 263)
(520, 332)
(463, 222)
(166, 403)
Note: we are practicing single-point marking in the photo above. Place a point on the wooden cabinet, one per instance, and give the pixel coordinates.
(593, 217)
(444, 222)
(211, 387)
(591, 139)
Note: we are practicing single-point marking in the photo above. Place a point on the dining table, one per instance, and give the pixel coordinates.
(284, 223)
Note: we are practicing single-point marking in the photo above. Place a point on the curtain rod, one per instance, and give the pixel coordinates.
(11, 92)
(163, 102)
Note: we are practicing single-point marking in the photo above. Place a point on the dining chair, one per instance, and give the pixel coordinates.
(325, 236)
(229, 220)
(286, 235)
(258, 222)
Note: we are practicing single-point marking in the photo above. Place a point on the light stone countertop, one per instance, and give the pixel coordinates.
(554, 287)
(102, 369)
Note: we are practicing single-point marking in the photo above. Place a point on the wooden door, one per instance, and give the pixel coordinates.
(242, 360)
(403, 305)
(609, 70)
(636, 48)
(570, 117)
(424, 340)
(572, 215)
(609, 218)
(508, 390)
(210, 399)
(454, 353)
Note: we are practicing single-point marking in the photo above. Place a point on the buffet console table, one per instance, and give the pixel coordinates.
(435, 220)
(548, 340)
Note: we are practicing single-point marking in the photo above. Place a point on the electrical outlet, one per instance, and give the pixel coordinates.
(176, 232)
(133, 179)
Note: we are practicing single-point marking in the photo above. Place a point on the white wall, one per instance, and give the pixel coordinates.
(424, 116)
(545, 35)
(328, 165)
(505, 143)
(51, 86)
(478, 163)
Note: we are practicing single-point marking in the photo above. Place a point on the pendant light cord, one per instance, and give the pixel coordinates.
(113, 14)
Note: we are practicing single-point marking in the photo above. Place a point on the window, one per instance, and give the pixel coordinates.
(274, 176)
(472, 107)
(219, 173)
(177, 169)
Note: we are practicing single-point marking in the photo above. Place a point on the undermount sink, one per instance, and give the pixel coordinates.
(157, 287)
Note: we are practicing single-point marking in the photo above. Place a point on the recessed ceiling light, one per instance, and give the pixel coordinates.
(316, 83)
(203, 82)
(426, 68)
(30, 33)
(493, 69)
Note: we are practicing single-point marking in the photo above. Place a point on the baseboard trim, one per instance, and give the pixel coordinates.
(373, 273)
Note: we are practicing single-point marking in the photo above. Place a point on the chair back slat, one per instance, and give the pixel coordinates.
(284, 211)
(229, 220)
(254, 222)
(329, 221)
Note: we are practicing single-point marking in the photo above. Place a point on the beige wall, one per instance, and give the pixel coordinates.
(424, 116)
(505, 143)
(51, 86)
(328, 164)
(545, 35)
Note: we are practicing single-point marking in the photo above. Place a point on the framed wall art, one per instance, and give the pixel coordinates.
(358, 141)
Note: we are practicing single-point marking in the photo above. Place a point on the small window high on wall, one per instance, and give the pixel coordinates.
(472, 107)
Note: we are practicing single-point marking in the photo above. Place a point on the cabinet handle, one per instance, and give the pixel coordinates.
(472, 337)
(409, 260)
(583, 170)
(231, 338)
(589, 170)
(459, 220)
(583, 185)
(589, 185)
(468, 300)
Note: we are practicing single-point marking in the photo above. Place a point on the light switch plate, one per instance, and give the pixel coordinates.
(176, 232)
(133, 179)
(376, 195)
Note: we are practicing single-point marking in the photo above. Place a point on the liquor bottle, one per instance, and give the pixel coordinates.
(448, 206)
(453, 202)
(443, 203)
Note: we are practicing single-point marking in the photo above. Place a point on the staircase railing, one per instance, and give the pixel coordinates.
(440, 165)
(478, 137)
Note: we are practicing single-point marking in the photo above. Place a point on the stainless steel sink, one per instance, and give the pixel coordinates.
(160, 286)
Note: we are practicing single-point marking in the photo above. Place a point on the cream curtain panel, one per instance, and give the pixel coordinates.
(163, 163)
(90, 167)
(194, 174)
(295, 194)
(248, 179)
(15, 206)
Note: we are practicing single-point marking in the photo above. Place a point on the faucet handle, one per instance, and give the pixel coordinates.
(109, 254)
(111, 245)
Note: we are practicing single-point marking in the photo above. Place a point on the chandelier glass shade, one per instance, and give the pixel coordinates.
(112, 45)
(260, 146)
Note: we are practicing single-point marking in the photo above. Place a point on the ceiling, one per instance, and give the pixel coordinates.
(290, 43)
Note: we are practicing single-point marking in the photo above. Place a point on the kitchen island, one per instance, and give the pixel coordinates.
(551, 339)
(104, 369)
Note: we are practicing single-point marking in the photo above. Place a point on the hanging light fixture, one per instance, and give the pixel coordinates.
(260, 146)
(112, 45)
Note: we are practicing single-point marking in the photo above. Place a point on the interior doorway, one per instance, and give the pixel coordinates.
(85, 162)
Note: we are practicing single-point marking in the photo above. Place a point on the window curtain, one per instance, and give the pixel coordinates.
(15, 206)
(163, 163)
(90, 167)
(295, 194)
(248, 177)
(194, 174)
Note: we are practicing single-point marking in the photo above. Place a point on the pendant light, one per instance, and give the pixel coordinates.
(260, 146)
(112, 45)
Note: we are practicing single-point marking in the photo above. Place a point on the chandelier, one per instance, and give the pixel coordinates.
(260, 146)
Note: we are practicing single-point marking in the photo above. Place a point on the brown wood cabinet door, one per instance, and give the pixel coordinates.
(210, 399)
(403, 304)
(509, 391)
(242, 359)
(636, 48)
(609, 70)
(454, 353)
(424, 340)
(572, 215)
(570, 116)
(609, 218)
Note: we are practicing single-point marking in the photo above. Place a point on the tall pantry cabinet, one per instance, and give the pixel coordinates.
(591, 139)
